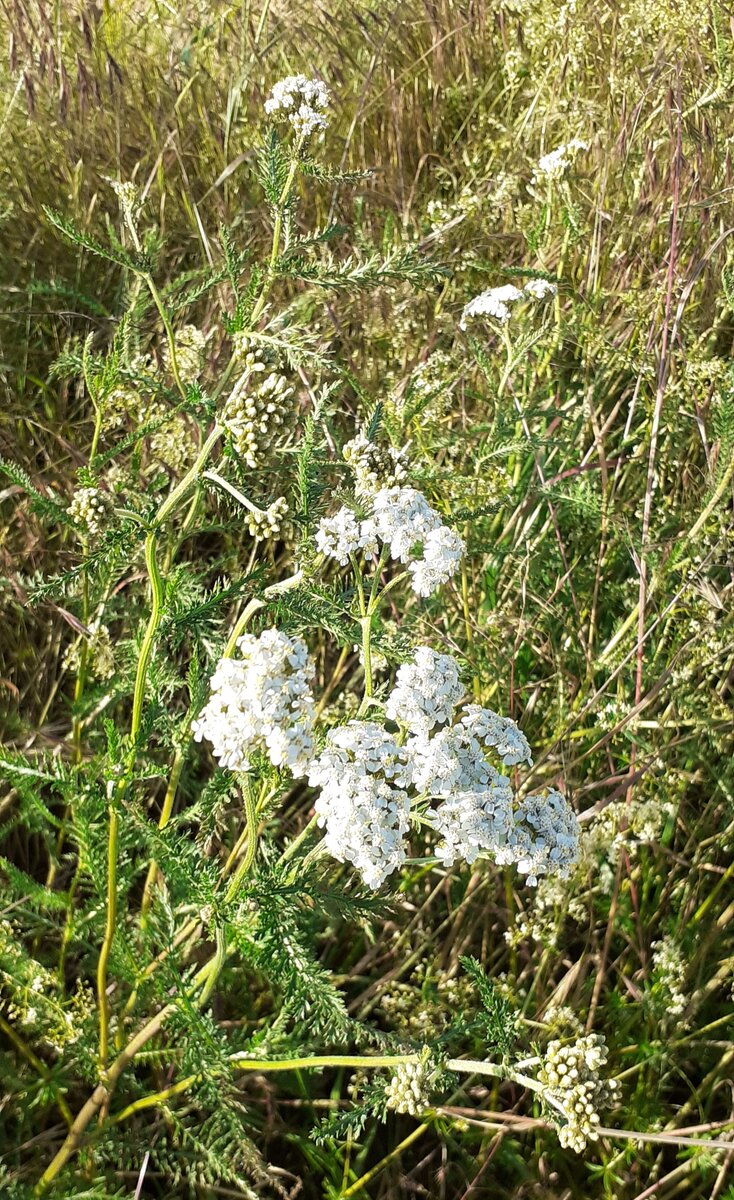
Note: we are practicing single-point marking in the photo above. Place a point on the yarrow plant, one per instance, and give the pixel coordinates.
(244, 697)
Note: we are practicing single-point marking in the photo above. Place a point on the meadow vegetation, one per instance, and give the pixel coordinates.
(391, 411)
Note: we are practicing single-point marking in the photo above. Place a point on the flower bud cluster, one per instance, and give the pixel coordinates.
(172, 443)
(262, 700)
(267, 523)
(670, 972)
(570, 1074)
(409, 1089)
(90, 509)
(374, 466)
(100, 656)
(129, 196)
(257, 408)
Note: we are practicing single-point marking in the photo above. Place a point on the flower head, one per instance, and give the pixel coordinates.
(470, 822)
(545, 836)
(263, 701)
(538, 289)
(570, 1074)
(90, 509)
(555, 164)
(402, 519)
(443, 551)
(363, 775)
(426, 691)
(493, 303)
(342, 535)
(301, 101)
(374, 466)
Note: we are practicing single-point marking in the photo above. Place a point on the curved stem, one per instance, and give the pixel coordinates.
(146, 649)
(249, 856)
(170, 336)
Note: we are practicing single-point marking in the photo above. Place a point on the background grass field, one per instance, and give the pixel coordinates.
(597, 604)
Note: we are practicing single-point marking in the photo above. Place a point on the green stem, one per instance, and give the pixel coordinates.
(109, 933)
(277, 230)
(163, 313)
(146, 650)
(249, 856)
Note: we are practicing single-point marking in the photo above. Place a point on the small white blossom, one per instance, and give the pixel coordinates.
(545, 836)
(262, 700)
(449, 762)
(497, 733)
(301, 101)
(555, 164)
(426, 691)
(342, 535)
(363, 775)
(538, 289)
(470, 822)
(493, 303)
(403, 518)
(443, 551)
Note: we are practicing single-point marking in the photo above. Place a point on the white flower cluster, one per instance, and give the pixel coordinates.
(363, 774)
(262, 700)
(90, 508)
(470, 822)
(426, 691)
(301, 101)
(670, 971)
(129, 196)
(342, 535)
(368, 780)
(496, 302)
(402, 519)
(256, 410)
(476, 812)
(571, 1077)
(374, 466)
(409, 1089)
(540, 288)
(555, 164)
(545, 836)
